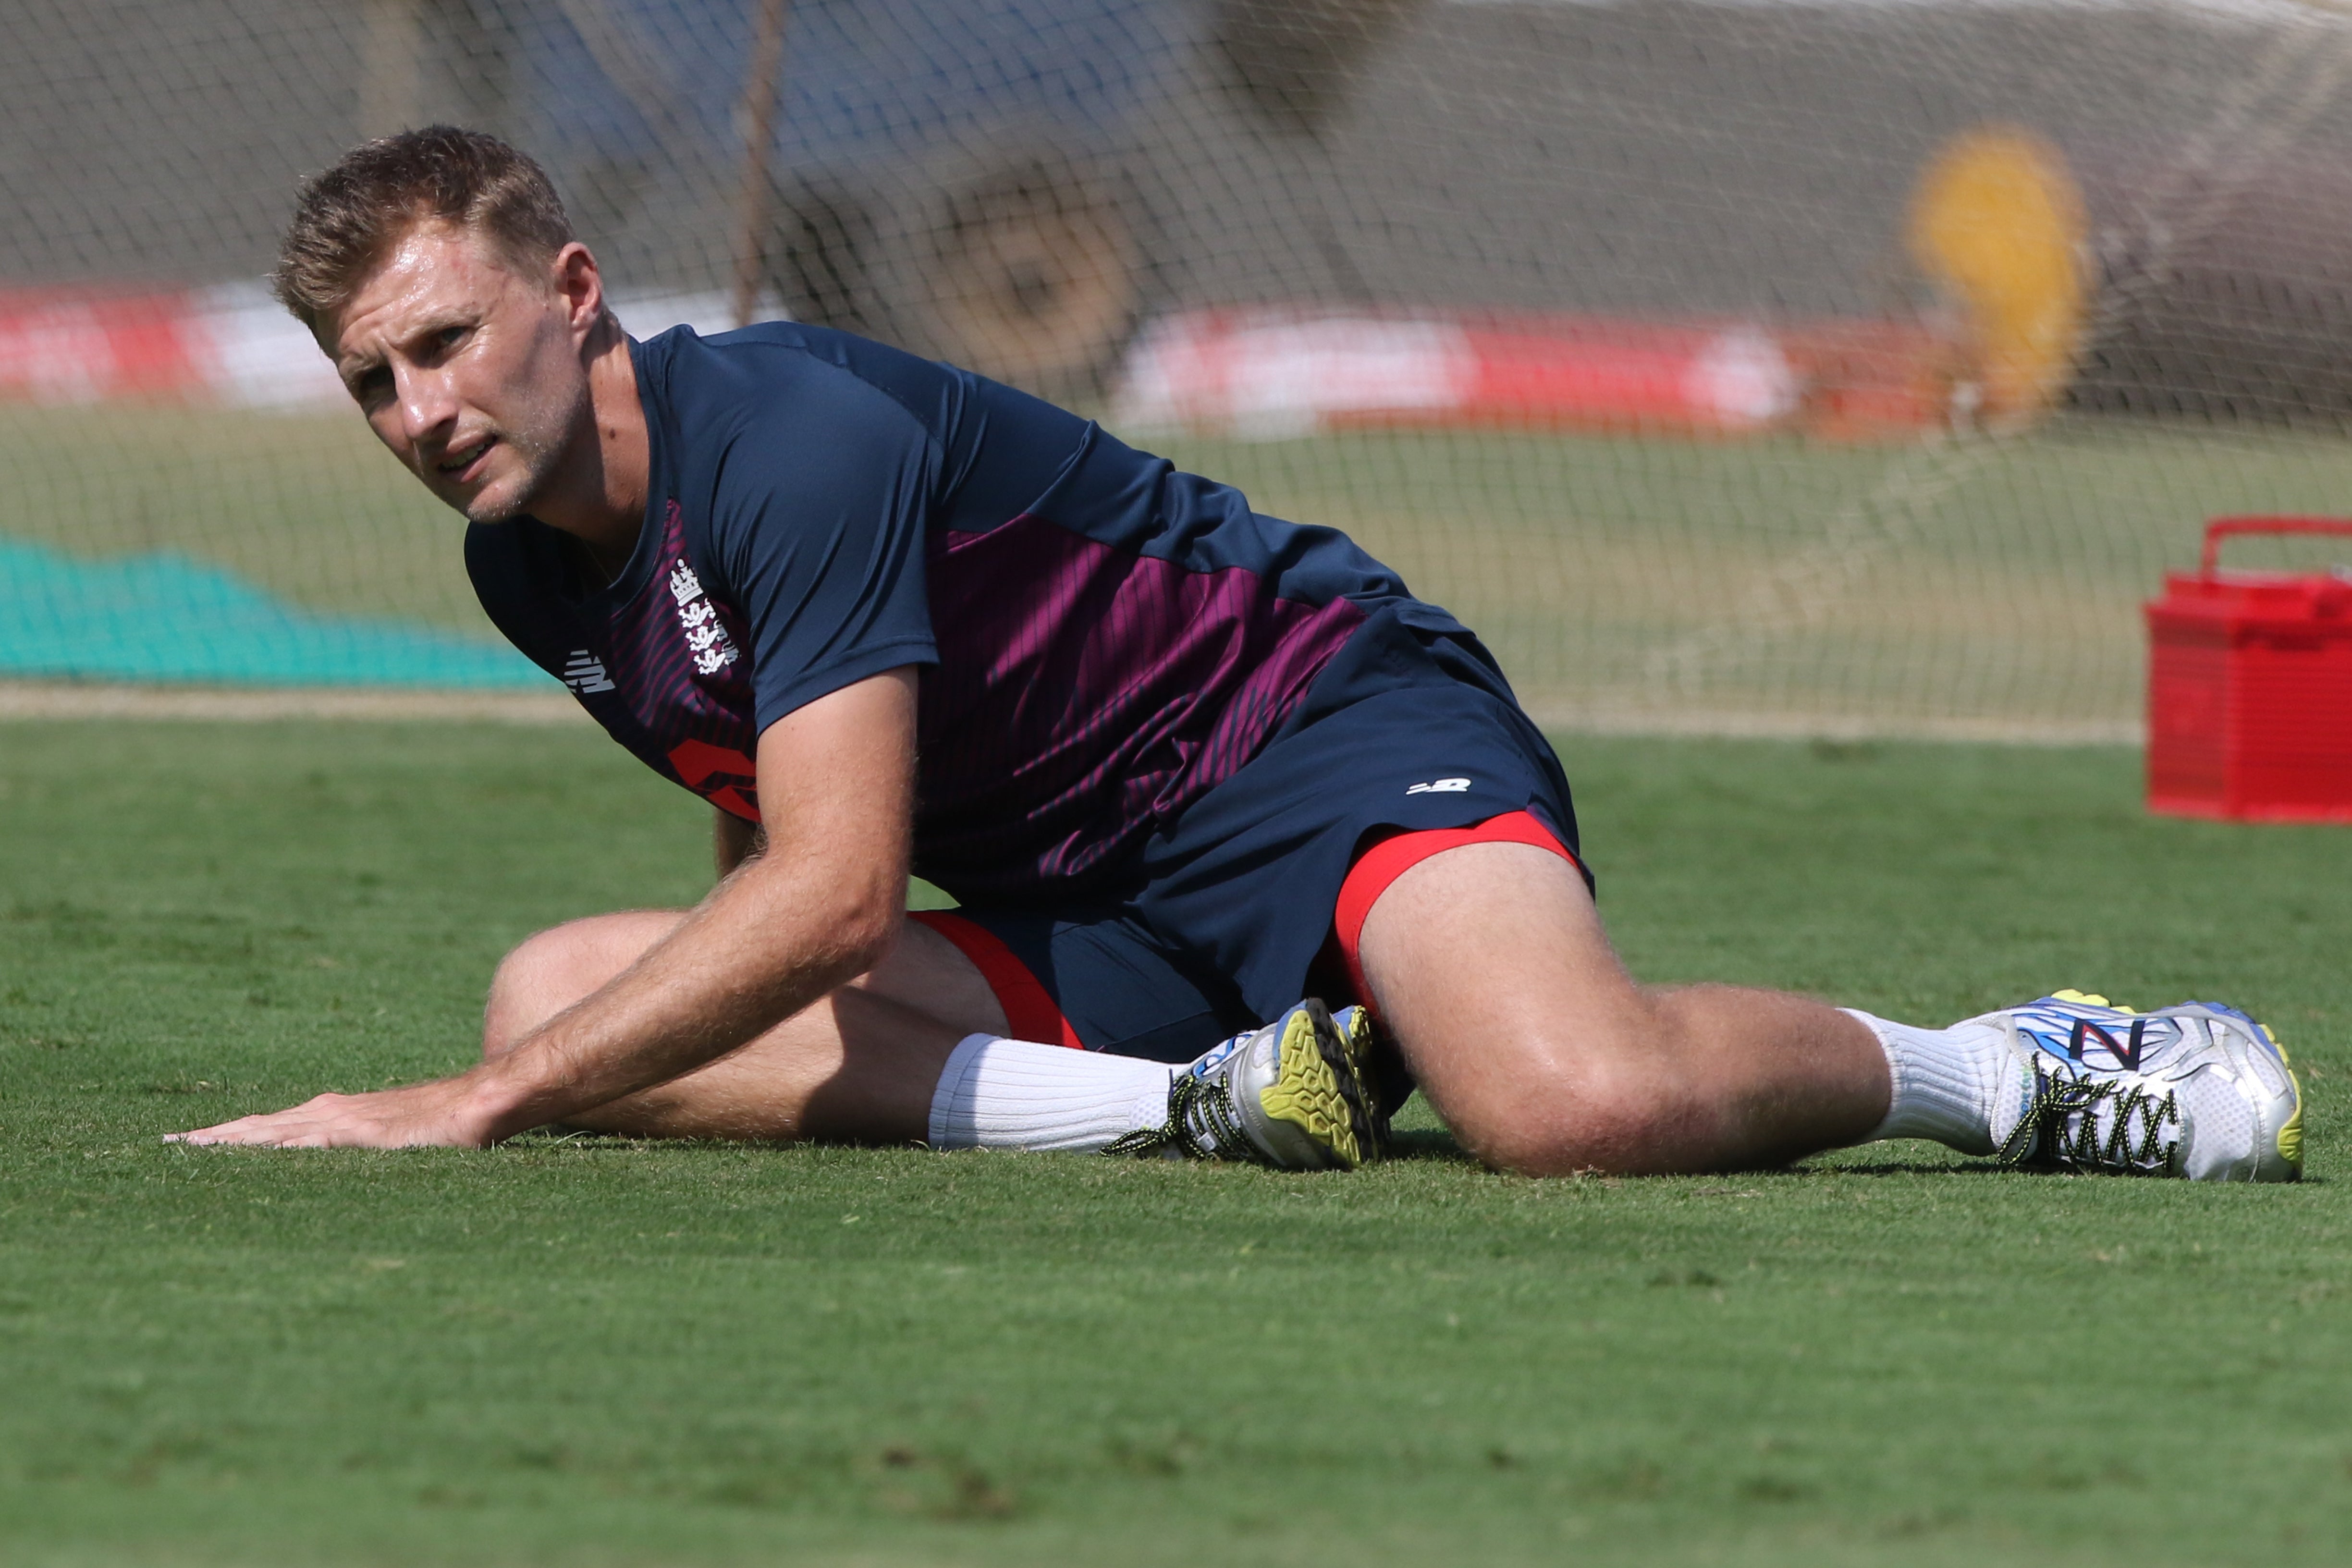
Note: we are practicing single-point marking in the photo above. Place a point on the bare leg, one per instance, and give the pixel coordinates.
(858, 1066)
(1490, 964)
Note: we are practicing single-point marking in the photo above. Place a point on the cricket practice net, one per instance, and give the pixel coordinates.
(1744, 368)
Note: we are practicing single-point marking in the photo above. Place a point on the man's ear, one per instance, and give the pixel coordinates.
(582, 287)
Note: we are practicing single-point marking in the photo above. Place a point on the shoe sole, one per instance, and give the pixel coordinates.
(1362, 1041)
(1320, 1087)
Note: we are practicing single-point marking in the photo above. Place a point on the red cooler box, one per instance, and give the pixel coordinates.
(2249, 687)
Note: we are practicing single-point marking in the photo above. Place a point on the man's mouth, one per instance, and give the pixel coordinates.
(461, 463)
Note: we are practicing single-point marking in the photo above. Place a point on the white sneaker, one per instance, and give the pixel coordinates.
(1292, 1095)
(2198, 1090)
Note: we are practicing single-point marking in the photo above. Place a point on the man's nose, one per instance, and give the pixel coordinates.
(427, 403)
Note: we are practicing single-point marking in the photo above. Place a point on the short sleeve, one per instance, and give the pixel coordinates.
(817, 532)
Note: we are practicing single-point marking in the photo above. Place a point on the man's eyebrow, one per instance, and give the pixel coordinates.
(352, 366)
(360, 361)
(442, 319)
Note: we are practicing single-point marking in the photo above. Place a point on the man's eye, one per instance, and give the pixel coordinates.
(371, 385)
(448, 338)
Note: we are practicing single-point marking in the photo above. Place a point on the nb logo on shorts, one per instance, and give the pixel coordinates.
(1440, 786)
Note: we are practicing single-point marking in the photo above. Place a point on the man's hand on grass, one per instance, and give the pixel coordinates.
(811, 913)
(448, 1112)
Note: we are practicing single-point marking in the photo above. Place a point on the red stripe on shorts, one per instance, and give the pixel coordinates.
(1392, 857)
(1030, 1010)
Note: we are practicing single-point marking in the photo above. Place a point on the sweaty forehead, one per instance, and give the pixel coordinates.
(432, 273)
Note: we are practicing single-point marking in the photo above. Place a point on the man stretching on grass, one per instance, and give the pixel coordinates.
(1183, 765)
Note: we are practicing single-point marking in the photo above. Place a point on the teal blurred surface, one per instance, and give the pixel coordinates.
(170, 617)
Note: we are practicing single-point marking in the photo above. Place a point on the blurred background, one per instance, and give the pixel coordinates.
(1759, 367)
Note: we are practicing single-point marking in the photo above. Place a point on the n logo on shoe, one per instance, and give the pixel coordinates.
(2127, 1054)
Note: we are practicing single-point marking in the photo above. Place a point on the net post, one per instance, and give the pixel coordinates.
(759, 120)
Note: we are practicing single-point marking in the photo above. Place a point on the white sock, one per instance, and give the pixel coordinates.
(996, 1093)
(1948, 1082)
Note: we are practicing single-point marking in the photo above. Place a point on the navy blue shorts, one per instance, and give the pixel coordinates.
(1233, 919)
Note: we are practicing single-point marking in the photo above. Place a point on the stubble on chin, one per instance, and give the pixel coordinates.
(502, 505)
(539, 455)
(537, 463)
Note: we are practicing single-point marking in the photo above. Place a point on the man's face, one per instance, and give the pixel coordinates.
(470, 372)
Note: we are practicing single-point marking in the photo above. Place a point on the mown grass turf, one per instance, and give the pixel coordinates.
(609, 1353)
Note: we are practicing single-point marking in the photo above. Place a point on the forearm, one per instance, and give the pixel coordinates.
(837, 783)
(769, 942)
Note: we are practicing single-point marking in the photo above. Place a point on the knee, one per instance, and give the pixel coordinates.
(544, 974)
(521, 976)
(1589, 1097)
(1563, 1123)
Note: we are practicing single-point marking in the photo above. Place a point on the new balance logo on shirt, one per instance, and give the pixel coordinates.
(584, 673)
(1440, 786)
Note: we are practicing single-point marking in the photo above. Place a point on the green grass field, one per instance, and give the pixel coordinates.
(600, 1351)
(1996, 581)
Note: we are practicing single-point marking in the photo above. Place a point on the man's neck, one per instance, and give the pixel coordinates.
(602, 501)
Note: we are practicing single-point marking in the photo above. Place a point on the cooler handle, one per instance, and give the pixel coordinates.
(2222, 527)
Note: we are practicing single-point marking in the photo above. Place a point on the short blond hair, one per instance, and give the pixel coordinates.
(351, 217)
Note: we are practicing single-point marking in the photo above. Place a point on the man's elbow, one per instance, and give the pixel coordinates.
(858, 924)
(844, 922)
(869, 929)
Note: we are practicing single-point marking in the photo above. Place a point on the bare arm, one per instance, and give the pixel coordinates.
(821, 907)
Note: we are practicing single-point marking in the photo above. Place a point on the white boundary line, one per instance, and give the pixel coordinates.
(1729, 724)
(92, 699)
(78, 699)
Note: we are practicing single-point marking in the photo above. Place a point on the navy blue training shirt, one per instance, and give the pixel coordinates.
(1107, 637)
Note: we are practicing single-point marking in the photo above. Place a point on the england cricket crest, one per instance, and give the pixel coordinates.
(707, 641)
